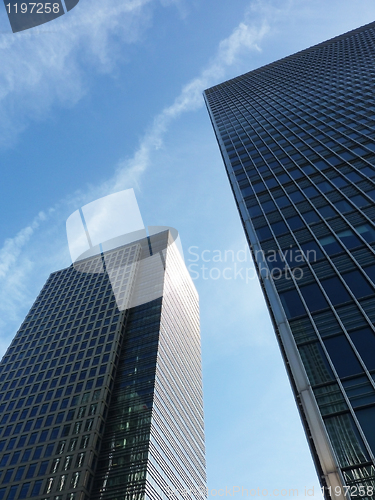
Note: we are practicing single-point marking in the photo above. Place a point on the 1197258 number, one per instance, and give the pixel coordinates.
(40, 8)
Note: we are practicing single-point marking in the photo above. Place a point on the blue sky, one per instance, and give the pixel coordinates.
(109, 97)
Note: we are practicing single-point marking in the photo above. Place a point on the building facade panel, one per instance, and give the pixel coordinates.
(55, 380)
(177, 435)
(298, 139)
(80, 392)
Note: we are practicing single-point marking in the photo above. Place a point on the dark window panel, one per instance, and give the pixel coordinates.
(296, 196)
(295, 222)
(282, 201)
(358, 284)
(342, 356)
(330, 245)
(264, 233)
(314, 297)
(326, 211)
(364, 341)
(349, 239)
(311, 217)
(279, 228)
(366, 419)
(343, 206)
(335, 290)
(292, 304)
(367, 232)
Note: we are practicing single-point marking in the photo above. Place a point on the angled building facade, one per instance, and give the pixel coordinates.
(298, 138)
(103, 403)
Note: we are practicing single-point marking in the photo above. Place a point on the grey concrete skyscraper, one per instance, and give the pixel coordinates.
(298, 138)
(102, 403)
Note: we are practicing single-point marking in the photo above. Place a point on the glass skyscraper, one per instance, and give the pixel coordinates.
(298, 138)
(101, 403)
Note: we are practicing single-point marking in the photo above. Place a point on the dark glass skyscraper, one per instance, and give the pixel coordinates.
(98, 403)
(298, 138)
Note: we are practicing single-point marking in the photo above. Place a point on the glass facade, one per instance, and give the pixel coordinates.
(298, 138)
(101, 403)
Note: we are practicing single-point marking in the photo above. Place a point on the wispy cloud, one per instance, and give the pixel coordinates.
(13, 246)
(48, 66)
(17, 267)
(244, 38)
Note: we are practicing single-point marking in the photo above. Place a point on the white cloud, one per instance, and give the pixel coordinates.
(244, 38)
(48, 65)
(13, 246)
(51, 65)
